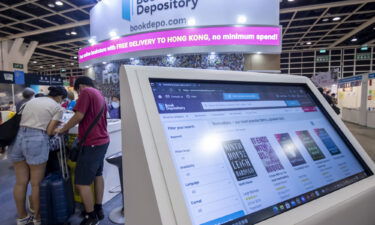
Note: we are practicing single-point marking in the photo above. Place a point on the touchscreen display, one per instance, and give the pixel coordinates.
(245, 152)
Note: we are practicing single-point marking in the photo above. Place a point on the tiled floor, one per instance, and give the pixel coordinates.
(365, 136)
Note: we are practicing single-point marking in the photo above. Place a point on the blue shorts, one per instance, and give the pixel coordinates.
(31, 145)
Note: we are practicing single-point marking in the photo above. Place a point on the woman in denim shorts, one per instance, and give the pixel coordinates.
(29, 151)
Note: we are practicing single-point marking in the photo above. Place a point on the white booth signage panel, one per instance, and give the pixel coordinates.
(371, 92)
(135, 28)
(349, 92)
(127, 17)
(371, 101)
(236, 148)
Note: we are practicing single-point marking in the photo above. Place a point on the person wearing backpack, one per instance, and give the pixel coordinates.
(90, 113)
(30, 149)
(27, 95)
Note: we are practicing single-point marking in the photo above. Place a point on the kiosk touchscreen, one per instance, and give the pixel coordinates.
(239, 148)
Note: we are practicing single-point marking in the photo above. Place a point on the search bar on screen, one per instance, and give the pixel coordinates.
(242, 104)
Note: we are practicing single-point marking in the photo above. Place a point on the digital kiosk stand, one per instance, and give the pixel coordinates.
(219, 147)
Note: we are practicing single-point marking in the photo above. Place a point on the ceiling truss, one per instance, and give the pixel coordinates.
(302, 23)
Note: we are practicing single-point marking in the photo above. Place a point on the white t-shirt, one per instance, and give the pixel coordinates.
(39, 112)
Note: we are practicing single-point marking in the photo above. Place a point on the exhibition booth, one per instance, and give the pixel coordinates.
(189, 156)
(13, 83)
(356, 98)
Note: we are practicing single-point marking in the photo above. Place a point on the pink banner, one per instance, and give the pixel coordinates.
(191, 37)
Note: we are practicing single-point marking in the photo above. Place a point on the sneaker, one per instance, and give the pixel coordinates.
(99, 213)
(37, 222)
(25, 221)
(89, 221)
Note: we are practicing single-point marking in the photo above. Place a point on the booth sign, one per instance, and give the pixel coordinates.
(136, 28)
(6, 77)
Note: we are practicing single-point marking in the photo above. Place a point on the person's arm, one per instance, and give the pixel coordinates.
(80, 109)
(52, 126)
(78, 116)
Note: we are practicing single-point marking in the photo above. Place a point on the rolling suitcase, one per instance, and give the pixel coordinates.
(56, 194)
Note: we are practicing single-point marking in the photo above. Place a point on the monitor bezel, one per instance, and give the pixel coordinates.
(177, 200)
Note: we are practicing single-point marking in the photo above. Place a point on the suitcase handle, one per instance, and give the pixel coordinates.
(62, 158)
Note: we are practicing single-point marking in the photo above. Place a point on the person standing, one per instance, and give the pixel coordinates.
(27, 95)
(91, 158)
(114, 108)
(70, 102)
(11, 106)
(30, 149)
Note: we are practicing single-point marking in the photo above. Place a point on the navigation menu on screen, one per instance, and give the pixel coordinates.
(245, 152)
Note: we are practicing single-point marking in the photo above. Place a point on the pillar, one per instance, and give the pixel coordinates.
(15, 54)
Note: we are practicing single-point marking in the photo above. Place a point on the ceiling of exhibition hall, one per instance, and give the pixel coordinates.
(62, 27)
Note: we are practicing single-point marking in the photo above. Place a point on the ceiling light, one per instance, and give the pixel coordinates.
(309, 43)
(67, 34)
(241, 19)
(73, 33)
(51, 5)
(191, 22)
(104, 63)
(258, 53)
(337, 18)
(113, 34)
(35, 62)
(53, 66)
(354, 40)
(290, 0)
(92, 41)
(75, 57)
(72, 64)
(59, 3)
(325, 20)
(41, 67)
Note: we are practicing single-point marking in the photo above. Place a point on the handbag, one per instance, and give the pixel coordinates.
(336, 109)
(76, 149)
(9, 129)
(54, 143)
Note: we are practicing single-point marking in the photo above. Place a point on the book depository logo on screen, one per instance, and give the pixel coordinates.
(152, 6)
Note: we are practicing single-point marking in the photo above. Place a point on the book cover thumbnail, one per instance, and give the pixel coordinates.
(310, 145)
(290, 149)
(239, 160)
(327, 141)
(267, 154)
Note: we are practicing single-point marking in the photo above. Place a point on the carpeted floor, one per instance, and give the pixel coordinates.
(8, 208)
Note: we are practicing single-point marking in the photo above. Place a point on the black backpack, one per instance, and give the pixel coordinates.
(9, 129)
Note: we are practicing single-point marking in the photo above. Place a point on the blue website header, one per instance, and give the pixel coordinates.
(178, 97)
